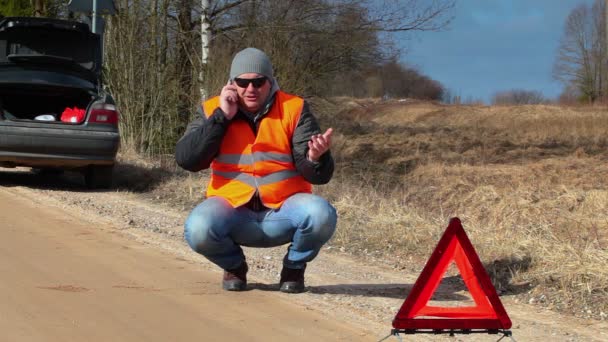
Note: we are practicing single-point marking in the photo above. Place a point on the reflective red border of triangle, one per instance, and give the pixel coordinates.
(488, 313)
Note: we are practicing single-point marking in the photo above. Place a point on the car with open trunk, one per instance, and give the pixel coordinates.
(55, 113)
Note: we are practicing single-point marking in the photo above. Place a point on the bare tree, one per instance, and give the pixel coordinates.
(581, 59)
(409, 15)
(570, 95)
(184, 61)
(142, 73)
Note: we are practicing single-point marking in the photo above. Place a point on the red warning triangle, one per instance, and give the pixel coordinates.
(488, 312)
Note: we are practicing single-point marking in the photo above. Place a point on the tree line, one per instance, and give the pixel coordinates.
(319, 47)
(161, 57)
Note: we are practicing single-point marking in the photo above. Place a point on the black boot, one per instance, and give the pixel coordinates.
(236, 279)
(292, 280)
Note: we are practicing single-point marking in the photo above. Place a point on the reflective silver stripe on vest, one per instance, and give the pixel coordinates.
(261, 180)
(246, 159)
(242, 159)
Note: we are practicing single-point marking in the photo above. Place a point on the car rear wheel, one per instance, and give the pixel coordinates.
(98, 176)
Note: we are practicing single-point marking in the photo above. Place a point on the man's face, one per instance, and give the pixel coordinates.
(250, 97)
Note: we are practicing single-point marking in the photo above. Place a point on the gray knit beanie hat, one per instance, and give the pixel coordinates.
(251, 60)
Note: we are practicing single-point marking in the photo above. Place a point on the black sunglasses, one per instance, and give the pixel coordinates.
(244, 82)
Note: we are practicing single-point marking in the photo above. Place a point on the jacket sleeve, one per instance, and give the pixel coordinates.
(200, 144)
(314, 172)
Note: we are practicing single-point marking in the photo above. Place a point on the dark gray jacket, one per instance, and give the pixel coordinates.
(201, 142)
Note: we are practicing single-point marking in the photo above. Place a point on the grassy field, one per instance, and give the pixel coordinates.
(530, 184)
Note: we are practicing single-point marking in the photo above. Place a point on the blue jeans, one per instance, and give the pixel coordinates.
(217, 230)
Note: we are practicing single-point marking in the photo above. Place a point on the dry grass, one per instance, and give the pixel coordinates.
(529, 183)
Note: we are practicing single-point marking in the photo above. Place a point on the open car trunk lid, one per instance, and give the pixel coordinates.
(49, 51)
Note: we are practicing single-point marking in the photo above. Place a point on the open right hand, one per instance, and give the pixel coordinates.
(319, 144)
(229, 100)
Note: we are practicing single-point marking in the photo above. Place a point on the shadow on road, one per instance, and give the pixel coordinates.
(66, 181)
(127, 177)
(398, 291)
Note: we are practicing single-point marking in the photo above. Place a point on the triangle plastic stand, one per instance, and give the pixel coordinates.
(487, 314)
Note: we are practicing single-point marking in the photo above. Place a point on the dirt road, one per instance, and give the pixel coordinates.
(112, 266)
(64, 280)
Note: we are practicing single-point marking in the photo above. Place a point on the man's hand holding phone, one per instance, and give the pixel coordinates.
(229, 100)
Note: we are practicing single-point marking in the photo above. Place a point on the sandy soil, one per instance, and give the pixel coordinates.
(65, 280)
(98, 266)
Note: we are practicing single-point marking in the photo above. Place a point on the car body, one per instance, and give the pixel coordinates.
(54, 111)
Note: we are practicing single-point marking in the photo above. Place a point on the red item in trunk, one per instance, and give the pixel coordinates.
(73, 115)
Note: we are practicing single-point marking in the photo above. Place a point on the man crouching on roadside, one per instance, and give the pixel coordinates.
(265, 150)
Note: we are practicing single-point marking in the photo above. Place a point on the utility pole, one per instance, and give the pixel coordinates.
(94, 23)
(94, 8)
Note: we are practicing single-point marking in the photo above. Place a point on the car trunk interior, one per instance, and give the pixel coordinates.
(40, 103)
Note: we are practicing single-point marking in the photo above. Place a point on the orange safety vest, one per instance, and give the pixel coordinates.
(247, 162)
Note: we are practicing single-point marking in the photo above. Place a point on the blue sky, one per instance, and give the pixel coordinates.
(494, 45)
